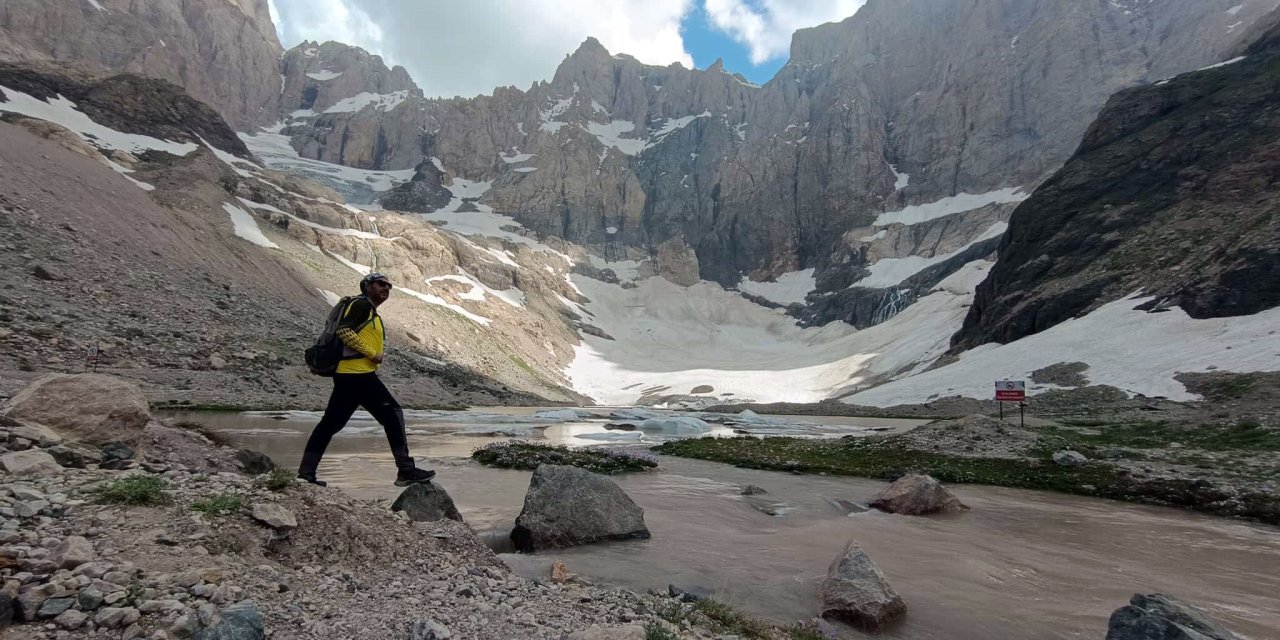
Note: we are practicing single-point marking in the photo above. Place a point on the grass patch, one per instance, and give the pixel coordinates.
(730, 620)
(278, 479)
(655, 631)
(137, 489)
(884, 458)
(219, 505)
(516, 454)
(1244, 435)
(1228, 386)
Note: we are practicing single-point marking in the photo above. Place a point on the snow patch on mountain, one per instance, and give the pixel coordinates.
(958, 203)
(788, 288)
(891, 271)
(610, 135)
(364, 99)
(1136, 351)
(246, 226)
(324, 74)
(63, 112)
(679, 338)
(275, 150)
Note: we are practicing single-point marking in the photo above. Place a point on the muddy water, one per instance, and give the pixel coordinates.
(1021, 564)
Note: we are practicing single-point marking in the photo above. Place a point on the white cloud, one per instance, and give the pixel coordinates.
(468, 48)
(766, 26)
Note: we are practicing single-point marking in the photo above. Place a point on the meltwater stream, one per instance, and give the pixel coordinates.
(1021, 564)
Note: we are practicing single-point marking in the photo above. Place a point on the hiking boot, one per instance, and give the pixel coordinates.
(414, 476)
(311, 477)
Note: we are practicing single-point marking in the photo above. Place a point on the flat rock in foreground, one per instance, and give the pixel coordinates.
(568, 506)
(857, 592)
(917, 495)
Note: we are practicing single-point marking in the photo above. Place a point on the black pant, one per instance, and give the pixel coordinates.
(352, 390)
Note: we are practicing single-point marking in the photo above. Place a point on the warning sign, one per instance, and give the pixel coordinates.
(1011, 390)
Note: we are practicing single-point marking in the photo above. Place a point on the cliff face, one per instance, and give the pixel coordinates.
(904, 103)
(909, 104)
(223, 52)
(1172, 193)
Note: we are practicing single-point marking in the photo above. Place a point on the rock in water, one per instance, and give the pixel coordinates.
(426, 503)
(856, 592)
(1161, 617)
(240, 621)
(91, 408)
(568, 506)
(916, 495)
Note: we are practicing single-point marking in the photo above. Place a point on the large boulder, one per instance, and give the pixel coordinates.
(426, 503)
(90, 407)
(28, 463)
(856, 592)
(1161, 617)
(568, 506)
(916, 495)
(240, 621)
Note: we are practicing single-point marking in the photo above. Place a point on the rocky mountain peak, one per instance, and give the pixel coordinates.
(339, 77)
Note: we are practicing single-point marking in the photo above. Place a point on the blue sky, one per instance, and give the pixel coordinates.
(469, 48)
(705, 43)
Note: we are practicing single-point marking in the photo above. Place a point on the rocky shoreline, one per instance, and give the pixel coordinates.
(165, 534)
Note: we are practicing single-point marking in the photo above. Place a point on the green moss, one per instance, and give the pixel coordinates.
(278, 479)
(655, 631)
(517, 454)
(1245, 435)
(727, 619)
(136, 489)
(219, 505)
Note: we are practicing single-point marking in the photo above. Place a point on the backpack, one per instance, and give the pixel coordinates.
(323, 356)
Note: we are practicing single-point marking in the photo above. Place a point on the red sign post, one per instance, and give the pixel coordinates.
(1012, 391)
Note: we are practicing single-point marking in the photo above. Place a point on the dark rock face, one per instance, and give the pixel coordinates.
(240, 621)
(426, 503)
(1161, 617)
(1169, 194)
(423, 194)
(568, 506)
(129, 103)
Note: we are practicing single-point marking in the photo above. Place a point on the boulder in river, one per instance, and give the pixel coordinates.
(917, 495)
(857, 592)
(567, 506)
(1162, 617)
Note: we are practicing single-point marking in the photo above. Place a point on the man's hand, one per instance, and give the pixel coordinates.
(378, 358)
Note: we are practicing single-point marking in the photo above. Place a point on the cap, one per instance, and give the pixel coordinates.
(371, 278)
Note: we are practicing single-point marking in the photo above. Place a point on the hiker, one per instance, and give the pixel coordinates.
(356, 384)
